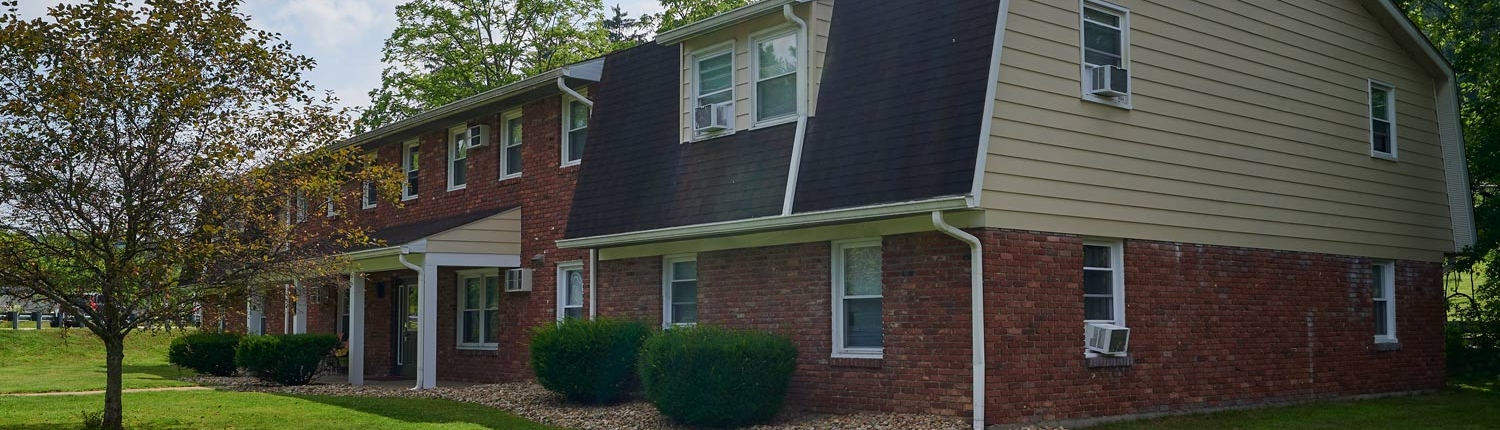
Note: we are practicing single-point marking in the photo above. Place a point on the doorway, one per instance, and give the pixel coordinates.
(405, 310)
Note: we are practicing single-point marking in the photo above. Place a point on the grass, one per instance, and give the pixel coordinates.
(239, 410)
(35, 361)
(1465, 406)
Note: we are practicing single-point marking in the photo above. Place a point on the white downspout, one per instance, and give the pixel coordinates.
(791, 175)
(563, 85)
(593, 280)
(415, 268)
(976, 308)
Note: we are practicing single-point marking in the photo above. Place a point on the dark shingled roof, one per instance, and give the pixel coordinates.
(898, 119)
(901, 103)
(638, 176)
(405, 233)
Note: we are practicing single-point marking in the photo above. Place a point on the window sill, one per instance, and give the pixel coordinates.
(478, 347)
(710, 136)
(1387, 345)
(774, 122)
(1383, 156)
(1095, 361)
(1122, 102)
(452, 188)
(874, 354)
(509, 177)
(365, 208)
(570, 164)
(863, 363)
(408, 198)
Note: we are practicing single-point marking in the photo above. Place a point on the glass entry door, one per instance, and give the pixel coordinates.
(406, 327)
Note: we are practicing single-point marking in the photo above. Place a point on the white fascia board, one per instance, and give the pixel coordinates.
(723, 20)
(729, 228)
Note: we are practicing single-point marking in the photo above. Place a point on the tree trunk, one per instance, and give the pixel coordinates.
(114, 348)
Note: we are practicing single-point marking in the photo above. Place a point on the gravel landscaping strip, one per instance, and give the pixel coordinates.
(531, 401)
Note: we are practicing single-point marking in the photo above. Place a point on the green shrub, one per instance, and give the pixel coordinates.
(587, 361)
(205, 352)
(292, 359)
(714, 377)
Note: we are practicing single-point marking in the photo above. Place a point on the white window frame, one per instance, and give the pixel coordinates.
(1117, 266)
(1083, 67)
(1390, 106)
(407, 169)
(837, 269)
(330, 210)
(562, 290)
(367, 192)
(299, 207)
(458, 141)
(567, 119)
(342, 326)
(506, 144)
(462, 293)
(1388, 289)
(755, 78)
(715, 50)
(666, 288)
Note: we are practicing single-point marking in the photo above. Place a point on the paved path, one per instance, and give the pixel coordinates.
(132, 390)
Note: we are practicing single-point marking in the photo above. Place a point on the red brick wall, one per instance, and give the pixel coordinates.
(1211, 326)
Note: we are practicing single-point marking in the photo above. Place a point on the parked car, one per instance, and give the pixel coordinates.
(62, 318)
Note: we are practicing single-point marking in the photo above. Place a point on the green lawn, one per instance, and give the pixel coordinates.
(1468, 406)
(1463, 283)
(33, 361)
(238, 410)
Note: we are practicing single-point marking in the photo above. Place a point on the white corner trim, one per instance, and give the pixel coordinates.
(991, 92)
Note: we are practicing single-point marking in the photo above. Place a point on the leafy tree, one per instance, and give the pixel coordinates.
(444, 50)
(677, 13)
(147, 150)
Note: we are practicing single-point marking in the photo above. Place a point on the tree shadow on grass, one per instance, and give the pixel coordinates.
(424, 410)
(154, 372)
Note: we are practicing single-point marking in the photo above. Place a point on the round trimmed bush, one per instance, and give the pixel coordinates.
(714, 377)
(209, 353)
(292, 359)
(587, 361)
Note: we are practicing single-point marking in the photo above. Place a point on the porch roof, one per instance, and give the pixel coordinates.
(493, 232)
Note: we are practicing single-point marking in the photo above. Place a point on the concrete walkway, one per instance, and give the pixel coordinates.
(84, 393)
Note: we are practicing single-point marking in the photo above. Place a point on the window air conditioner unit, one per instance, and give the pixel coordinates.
(517, 280)
(1108, 81)
(478, 135)
(713, 117)
(1106, 339)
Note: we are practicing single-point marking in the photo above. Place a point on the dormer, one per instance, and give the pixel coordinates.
(740, 68)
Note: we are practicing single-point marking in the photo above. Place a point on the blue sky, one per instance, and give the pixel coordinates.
(344, 36)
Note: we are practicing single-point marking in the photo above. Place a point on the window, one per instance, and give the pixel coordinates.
(1382, 120)
(299, 209)
(714, 78)
(409, 164)
(1103, 283)
(458, 158)
(1105, 41)
(569, 290)
(1383, 291)
(510, 151)
(343, 328)
(330, 210)
(478, 308)
(857, 303)
(775, 76)
(575, 130)
(680, 290)
(368, 195)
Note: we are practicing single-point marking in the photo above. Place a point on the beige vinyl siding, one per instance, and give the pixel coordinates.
(497, 234)
(1249, 128)
(817, 14)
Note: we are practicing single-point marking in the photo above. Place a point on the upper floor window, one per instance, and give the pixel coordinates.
(1383, 292)
(680, 290)
(368, 197)
(1106, 52)
(410, 156)
(858, 302)
(714, 78)
(299, 207)
(575, 130)
(510, 151)
(458, 158)
(1382, 120)
(775, 75)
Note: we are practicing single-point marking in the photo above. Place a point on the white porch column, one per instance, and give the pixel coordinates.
(299, 320)
(356, 329)
(427, 309)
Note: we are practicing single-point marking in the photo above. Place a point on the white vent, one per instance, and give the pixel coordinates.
(713, 117)
(517, 280)
(1107, 339)
(1108, 81)
(478, 135)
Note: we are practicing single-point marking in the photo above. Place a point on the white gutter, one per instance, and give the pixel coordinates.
(976, 309)
(722, 20)
(767, 223)
(415, 268)
(562, 83)
(801, 136)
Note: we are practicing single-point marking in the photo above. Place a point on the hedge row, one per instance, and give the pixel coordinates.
(284, 359)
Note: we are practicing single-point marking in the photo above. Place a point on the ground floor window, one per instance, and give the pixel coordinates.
(478, 308)
(680, 290)
(1383, 292)
(858, 324)
(569, 290)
